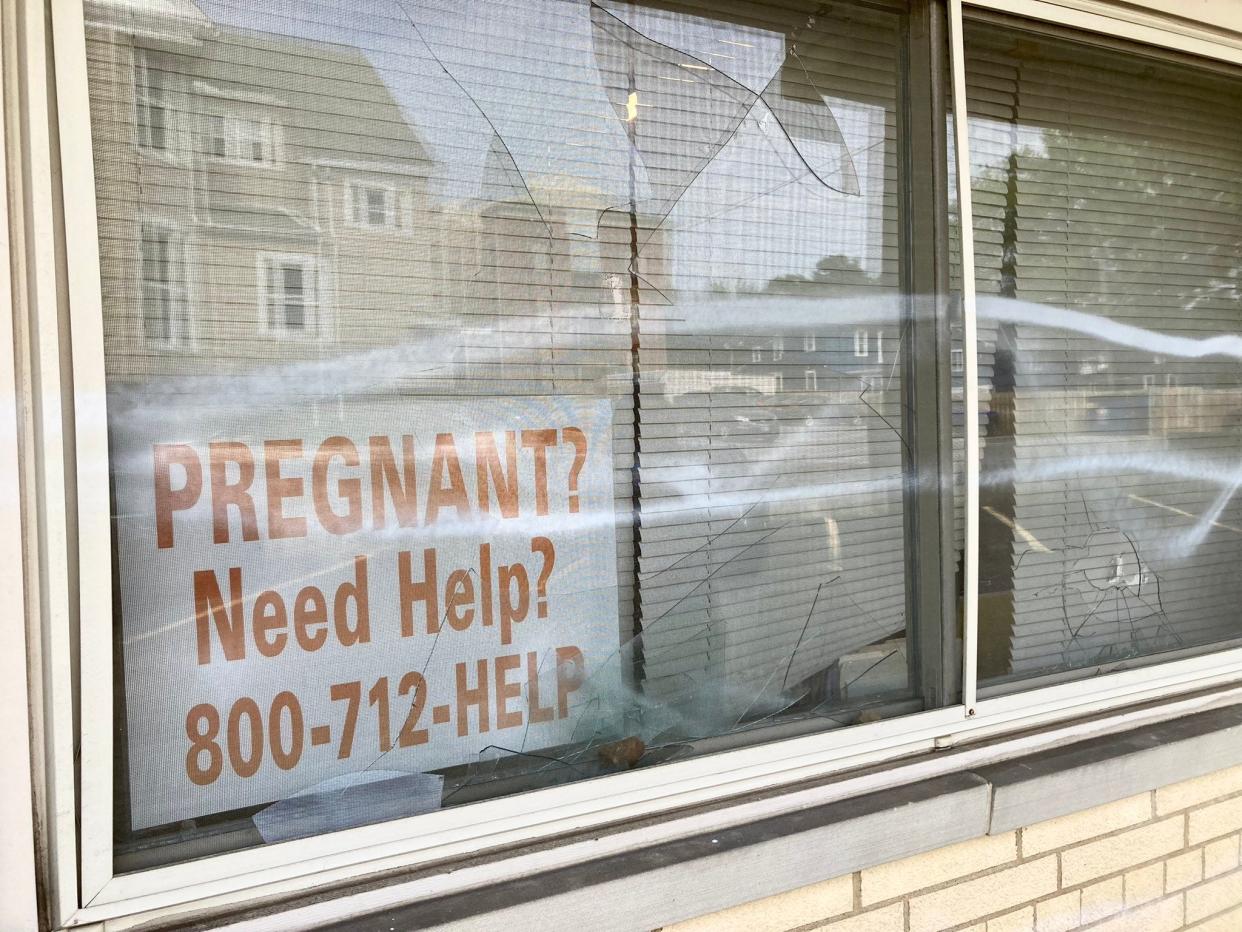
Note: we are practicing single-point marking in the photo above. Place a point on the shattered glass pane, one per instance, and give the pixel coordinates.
(588, 449)
(1108, 244)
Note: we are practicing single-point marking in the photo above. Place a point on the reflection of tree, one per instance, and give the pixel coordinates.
(845, 271)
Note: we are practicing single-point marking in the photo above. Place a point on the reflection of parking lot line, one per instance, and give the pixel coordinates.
(1185, 514)
(1027, 536)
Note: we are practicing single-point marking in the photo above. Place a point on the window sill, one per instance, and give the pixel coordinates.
(637, 876)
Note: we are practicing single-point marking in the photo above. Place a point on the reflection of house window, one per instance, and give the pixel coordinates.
(216, 141)
(958, 360)
(150, 103)
(1149, 381)
(254, 141)
(860, 343)
(289, 295)
(165, 318)
(239, 138)
(372, 206)
(778, 348)
(808, 343)
(756, 355)
(811, 380)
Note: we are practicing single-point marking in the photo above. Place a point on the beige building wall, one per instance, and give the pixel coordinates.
(1157, 862)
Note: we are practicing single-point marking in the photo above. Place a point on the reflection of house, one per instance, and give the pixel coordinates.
(280, 210)
(259, 210)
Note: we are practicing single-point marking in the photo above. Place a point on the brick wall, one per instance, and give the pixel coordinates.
(1160, 861)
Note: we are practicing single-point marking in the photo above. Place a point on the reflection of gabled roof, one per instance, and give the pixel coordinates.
(329, 97)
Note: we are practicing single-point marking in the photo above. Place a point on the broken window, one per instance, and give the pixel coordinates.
(620, 447)
(1108, 242)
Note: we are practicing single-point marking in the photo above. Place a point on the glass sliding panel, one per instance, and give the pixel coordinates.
(551, 406)
(1108, 235)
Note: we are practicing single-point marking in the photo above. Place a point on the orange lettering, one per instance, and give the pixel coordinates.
(505, 718)
(348, 489)
(281, 487)
(167, 499)
(487, 464)
(459, 593)
(401, 488)
(225, 493)
(310, 609)
(539, 441)
(209, 605)
(454, 494)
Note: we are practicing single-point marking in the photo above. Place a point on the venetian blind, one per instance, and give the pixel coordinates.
(1108, 233)
(769, 432)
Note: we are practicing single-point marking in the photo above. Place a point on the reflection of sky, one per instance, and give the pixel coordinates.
(993, 141)
(530, 66)
(747, 54)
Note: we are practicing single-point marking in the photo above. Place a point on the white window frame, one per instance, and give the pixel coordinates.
(860, 344)
(142, 101)
(266, 139)
(361, 219)
(76, 556)
(180, 323)
(235, 140)
(312, 303)
(210, 121)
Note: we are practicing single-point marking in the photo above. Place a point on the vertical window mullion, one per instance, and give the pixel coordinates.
(970, 376)
(930, 551)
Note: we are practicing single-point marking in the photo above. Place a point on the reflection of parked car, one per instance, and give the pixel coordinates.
(745, 416)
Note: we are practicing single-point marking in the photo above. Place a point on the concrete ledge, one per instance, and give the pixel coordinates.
(1090, 773)
(692, 876)
(654, 884)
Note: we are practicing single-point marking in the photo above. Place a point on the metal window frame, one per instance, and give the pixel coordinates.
(931, 600)
(19, 908)
(66, 554)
